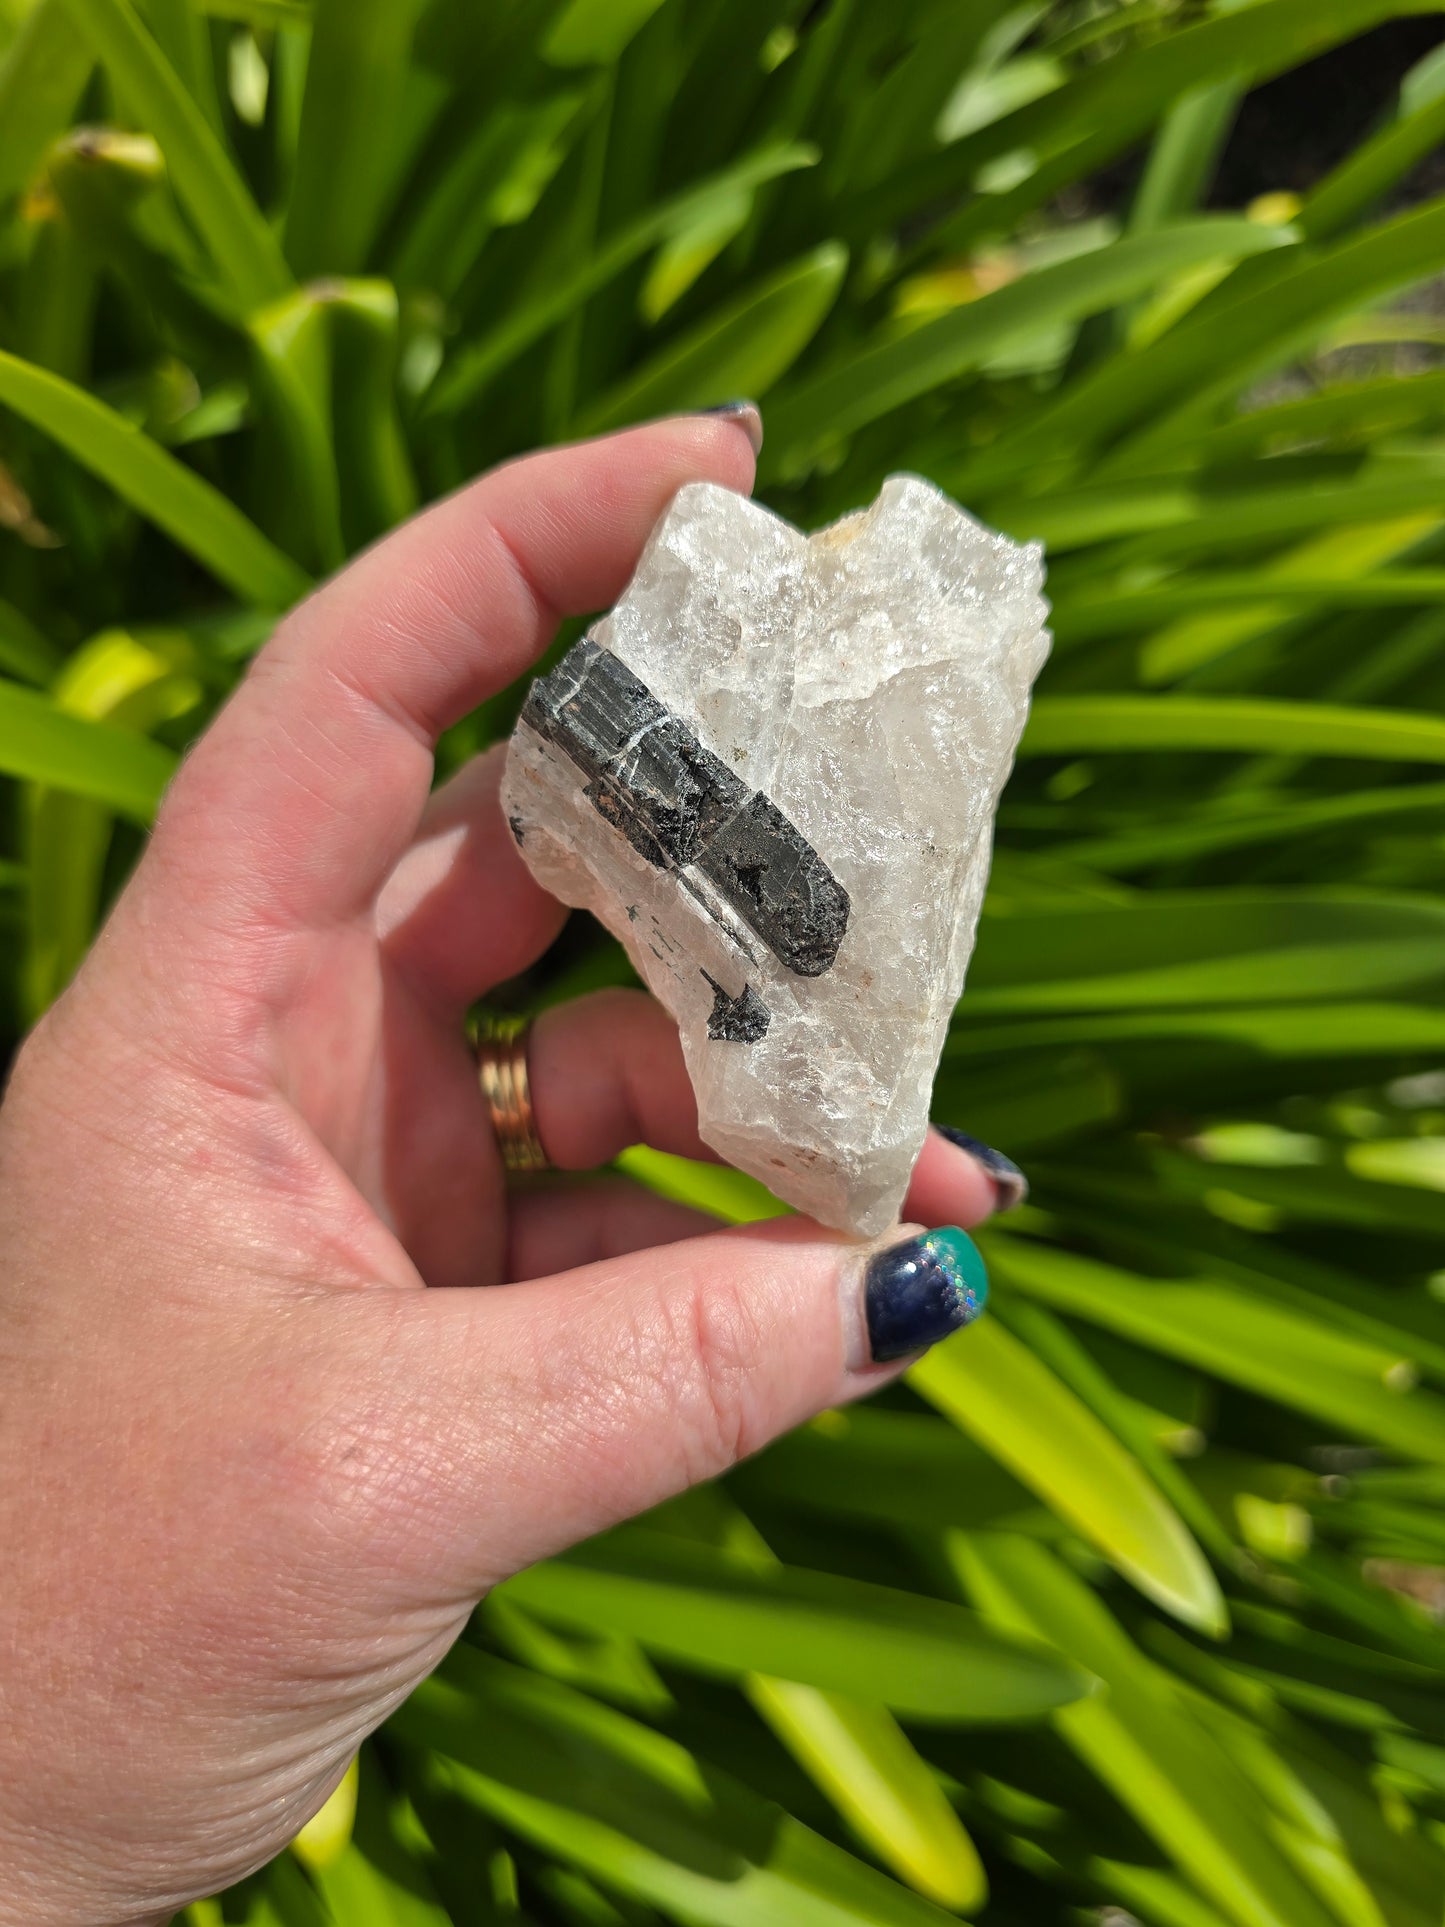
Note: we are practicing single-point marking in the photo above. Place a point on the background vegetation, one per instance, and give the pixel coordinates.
(1126, 1606)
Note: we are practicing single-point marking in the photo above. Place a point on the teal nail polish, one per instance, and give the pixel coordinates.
(920, 1291)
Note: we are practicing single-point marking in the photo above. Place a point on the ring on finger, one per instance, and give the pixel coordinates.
(502, 1072)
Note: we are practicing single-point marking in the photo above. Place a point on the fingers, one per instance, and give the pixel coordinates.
(607, 1071)
(555, 1408)
(306, 791)
(560, 1228)
(461, 910)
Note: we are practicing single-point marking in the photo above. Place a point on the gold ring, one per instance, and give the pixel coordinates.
(502, 1072)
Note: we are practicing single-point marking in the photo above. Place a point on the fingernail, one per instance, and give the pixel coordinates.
(747, 415)
(1008, 1181)
(921, 1290)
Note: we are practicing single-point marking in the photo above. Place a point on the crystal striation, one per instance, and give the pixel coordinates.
(772, 772)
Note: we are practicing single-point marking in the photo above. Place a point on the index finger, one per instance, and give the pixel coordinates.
(312, 781)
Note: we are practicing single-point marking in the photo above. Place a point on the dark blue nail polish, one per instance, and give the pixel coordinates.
(920, 1291)
(747, 415)
(1009, 1182)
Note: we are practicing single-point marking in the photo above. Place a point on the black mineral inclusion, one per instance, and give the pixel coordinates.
(677, 803)
(737, 1020)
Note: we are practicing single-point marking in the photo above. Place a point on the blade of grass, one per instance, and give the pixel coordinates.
(478, 362)
(1367, 174)
(1245, 1341)
(852, 1749)
(41, 77)
(196, 516)
(895, 371)
(1069, 133)
(1165, 391)
(42, 744)
(235, 231)
(636, 1810)
(1142, 1740)
(1384, 1030)
(721, 1615)
(740, 349)
(296, 467)
(114, 678)
(1006, 1398)
(1204, 947)
(355, 78)
(1102, 725)
(24, 651)
(865, 1763)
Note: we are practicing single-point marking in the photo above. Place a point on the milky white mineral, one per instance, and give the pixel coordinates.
(772, 771)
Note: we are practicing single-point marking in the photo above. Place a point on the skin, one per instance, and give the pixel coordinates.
(262, 1445)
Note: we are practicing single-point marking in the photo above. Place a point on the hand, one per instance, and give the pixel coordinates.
(253, 1477)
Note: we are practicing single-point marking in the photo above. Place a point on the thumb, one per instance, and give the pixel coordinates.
(557, 1407)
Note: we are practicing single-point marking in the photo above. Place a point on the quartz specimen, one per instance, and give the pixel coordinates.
(772, 772)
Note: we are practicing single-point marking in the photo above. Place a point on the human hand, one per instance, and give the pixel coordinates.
(253, 1477)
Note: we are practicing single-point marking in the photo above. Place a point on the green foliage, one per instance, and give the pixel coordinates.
(1123, 1600)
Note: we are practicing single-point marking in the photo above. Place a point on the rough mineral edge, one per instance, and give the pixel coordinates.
(873, 681)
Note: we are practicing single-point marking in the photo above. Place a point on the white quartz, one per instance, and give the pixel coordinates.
(873, 680)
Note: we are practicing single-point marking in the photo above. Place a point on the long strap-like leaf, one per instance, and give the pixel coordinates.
(235, 230)
(195, 515)
(114, 766)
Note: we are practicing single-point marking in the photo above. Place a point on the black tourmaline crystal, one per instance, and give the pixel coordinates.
(677, 804)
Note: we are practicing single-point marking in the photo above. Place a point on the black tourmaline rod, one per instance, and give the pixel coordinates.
(677, 803)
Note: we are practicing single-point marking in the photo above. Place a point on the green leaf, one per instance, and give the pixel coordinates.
(891, 1798)
(114, 766)
(897, 370)
(117, 677)
(195, 515)
(1368, 173)
(1271, 1031)
(494, 180)
(477, 363)
(378, 483)
(709, 1611)
(1142, 1741)
(1094, 725)
(292, 383)
(741, 349)
(1347, 415)
(1204, 947)
(994, 1389)
(890, 1468)
(183, 37)
(1264, 1347)
(1058, 1096)
(1183, 156)
(24, 651)
(1103, 613)
(1238, 828)
(1068, 134)
(372, 1880)
(594, 32)
(355, 81)
(636, 1811)
(728, 1194)
(232, 226)
(852, 1749)
(41, 76)
(1184, 377)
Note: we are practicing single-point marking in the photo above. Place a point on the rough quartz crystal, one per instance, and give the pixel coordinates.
(772, 772)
